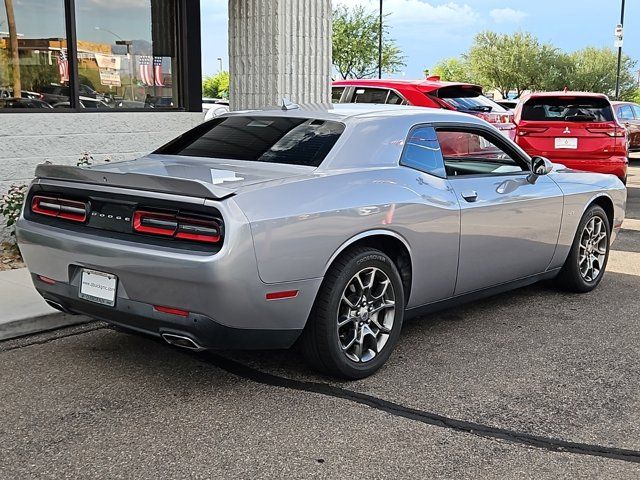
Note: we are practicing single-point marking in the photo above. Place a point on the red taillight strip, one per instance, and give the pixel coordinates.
(177, 226)
(168, 230)
(59, 208)
(282, 295)
(171, 310)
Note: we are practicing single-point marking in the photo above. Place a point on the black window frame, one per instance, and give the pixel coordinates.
(188, 76)
(493, 137)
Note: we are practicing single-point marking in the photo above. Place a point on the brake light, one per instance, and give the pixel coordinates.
(184, 227)
(59, 208)
(608, 131)
(522, 131)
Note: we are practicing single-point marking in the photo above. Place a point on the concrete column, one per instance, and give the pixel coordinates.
(279, 48)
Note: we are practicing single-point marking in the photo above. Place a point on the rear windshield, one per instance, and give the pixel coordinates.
(568, 109)
(468, 100)
(294, 141)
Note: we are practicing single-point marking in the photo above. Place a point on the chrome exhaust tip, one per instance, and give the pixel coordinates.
(59, 306)
(182, 342)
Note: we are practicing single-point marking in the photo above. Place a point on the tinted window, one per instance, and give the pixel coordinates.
(636, 110)
(295, 141)
(468, 99)
(470, 153)
(625, 112)
(568, 109)
(336, 94)
(422, 152)
(370, 95)
(394, 98)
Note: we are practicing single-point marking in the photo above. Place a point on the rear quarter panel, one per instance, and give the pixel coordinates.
(299, 227)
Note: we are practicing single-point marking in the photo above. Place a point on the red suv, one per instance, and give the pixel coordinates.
(431, 92)
(576, 129)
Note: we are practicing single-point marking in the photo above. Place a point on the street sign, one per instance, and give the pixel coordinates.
(617, 43)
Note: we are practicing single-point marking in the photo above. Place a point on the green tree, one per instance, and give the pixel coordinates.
(453, 70)
(355, 44)
(594, 70)
(515, 61)
(216, 86)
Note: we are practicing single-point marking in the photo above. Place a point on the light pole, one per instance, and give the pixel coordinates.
(128, 44)
(619, 51)
(220, 60)
(380, 43)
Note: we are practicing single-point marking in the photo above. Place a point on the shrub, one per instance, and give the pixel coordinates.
(11, 204)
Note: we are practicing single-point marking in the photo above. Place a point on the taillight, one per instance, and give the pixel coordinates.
(183, 227)
(59, 208)
(612, 132)
(522, 131)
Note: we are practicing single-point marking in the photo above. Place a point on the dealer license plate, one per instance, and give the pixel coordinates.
(567, 142)
(98, 287)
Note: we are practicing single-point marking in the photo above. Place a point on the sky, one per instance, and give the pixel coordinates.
(428, 30)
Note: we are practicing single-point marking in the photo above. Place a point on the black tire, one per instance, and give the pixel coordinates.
(570, 277)
(321, 343)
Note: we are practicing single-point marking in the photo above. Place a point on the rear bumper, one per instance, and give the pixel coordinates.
(614, 165)
(142, 317)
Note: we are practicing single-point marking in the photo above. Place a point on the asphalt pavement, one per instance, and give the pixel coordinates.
(529, 384)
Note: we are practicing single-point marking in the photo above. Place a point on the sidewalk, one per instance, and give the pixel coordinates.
(22, 309)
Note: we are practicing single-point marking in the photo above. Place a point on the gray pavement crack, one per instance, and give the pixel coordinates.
(552, 444)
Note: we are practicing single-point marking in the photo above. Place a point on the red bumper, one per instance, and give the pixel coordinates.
(614, 165)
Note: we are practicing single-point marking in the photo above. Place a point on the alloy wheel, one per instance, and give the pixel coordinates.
(366, 314)
(593, 249)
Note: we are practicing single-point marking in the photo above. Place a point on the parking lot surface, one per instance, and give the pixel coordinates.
(529, 384)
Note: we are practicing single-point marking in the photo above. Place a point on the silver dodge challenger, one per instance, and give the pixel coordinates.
(326, 227)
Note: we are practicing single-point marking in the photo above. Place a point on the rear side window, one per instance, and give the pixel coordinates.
(422, 152)
(336, 94)
(568, 109)
(293, 141)
(636, 110)
(370, 95)
(467, 99)
(625, 112)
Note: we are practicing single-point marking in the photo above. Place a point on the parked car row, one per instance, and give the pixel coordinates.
(585, 131)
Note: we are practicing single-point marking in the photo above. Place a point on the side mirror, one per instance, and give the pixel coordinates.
(539, 166)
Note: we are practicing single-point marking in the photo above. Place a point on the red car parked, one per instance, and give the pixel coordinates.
(431, 92)
(576, 129)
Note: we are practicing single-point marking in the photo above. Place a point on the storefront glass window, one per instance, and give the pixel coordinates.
(126, 53)
(33, 47)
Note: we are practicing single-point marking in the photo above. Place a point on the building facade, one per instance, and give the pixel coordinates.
(116, 79)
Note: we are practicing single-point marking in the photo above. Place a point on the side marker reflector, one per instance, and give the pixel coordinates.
(46, 280)
(171, 311)
(282, 295)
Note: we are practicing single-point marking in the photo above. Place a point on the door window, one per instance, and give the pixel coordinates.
(475, 153)
(636, 110)
(422, 152)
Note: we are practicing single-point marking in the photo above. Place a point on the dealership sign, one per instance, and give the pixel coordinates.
(109, 66)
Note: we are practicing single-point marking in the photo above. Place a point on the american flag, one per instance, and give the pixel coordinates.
(151, 74)
(63, 66)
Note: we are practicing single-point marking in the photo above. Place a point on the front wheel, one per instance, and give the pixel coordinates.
(356, 319)
(587, 260)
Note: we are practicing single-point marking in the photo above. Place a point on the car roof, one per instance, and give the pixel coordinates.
(428, 84)
(566, 94)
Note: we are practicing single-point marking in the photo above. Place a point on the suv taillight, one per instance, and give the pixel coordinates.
(612, 132)
(59, 208)
(184, 227)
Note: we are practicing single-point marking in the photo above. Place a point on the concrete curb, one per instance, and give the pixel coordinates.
(39, 324)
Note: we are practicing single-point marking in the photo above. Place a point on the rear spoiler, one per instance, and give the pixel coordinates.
(137, 181)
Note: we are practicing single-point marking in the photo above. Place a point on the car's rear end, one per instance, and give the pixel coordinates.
(576, 129)
(469, 99)
(159, 244)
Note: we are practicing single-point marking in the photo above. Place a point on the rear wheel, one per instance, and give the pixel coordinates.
(357, 317)
(587, 260)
